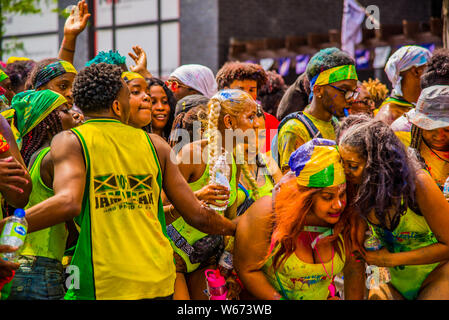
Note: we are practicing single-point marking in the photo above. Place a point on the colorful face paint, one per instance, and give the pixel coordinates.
(317, 164)
(52, 71)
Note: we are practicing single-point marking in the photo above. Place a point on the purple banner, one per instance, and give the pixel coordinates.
(284, 66)
(362, 58)
(301, 63)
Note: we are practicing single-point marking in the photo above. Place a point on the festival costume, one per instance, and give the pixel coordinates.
(122, 250)
(316, 164)
(41, 255)
(412, 233)
(182, 235)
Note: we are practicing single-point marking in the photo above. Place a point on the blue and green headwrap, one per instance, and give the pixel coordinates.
(53, 70)
(317, 164)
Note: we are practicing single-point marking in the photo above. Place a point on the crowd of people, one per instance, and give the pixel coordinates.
(118, 173)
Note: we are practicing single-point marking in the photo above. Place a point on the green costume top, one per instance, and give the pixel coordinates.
(412, 233)
(180, 229)
(49, 242)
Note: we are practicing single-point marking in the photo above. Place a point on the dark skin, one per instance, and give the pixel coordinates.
(63, 85)
(327, 102)
(70, 179)
(435, 210)
(411, 89)
(252, 243)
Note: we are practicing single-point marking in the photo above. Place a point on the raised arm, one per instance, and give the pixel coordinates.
(140, 58)
(74, 25)
(181, 196)
(68, 185)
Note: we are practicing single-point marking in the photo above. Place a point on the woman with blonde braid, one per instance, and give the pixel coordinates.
(230, 111)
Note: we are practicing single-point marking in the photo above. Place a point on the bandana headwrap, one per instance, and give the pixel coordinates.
(128, 76)
(32, 107)
(403, 59)
(198, 77)
(14, 59)
(340, 73)
(317, 164)
(3, 75)
(52, 71)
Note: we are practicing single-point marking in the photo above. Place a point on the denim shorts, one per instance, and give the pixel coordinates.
(38, 278)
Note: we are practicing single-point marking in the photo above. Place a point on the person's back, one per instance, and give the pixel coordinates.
(121, 252)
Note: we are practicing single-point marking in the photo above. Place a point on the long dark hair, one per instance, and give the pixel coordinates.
(35, 139)
(388, 179)
(171, 102)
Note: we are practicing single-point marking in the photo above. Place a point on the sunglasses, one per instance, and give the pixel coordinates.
(174, 85)
(349, 94)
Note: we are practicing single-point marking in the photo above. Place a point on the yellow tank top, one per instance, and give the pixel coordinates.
(122, 251)
(299, 280)
(49, 242)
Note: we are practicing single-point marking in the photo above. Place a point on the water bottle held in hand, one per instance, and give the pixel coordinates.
(14, 233)
(221, 177)
(446, 189)
(375, 275)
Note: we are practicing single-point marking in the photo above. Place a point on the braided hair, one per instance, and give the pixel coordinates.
(35, 139)
(388, 179)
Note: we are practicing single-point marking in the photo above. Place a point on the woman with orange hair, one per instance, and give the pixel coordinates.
(291, 247)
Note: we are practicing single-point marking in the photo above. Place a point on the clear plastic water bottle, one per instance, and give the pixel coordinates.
(375, 275)
(14, 233)
(446, 189)
(222, 177)
(225, 264)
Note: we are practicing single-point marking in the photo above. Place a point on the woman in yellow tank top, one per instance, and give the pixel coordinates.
(40, 274)
(390, 193)
(291, 246)
(230, 111)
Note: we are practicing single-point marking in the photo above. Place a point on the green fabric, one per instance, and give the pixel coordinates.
(32, 107)
(190, 233)
(3, 75)
(49, 242)
(412, 233)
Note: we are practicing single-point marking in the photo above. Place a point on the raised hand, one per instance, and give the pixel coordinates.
(77, 21)
(140, 59)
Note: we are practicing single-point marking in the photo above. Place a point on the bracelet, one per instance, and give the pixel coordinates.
(64, 48)
(170, 208)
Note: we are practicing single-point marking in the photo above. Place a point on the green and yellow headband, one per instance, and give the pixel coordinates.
(52, 71)
(128, 76)
(3, 75)
(340, 73)
(317, 164)
(31, 107)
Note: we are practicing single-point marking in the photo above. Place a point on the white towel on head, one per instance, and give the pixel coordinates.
(403, 59)
(198, 77)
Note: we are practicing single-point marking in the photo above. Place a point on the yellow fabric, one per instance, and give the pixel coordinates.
(130, 255)
(14, 59)
(128, 76)
(301, 280)
(49, 242)
(335, 74)
(324, 169)
(438, 169)
(294, 130)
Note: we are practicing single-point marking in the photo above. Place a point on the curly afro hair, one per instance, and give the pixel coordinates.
(240, 71)
(97, 86)
(271, 93)
(326, 59)
(437, 71)
(18, 72)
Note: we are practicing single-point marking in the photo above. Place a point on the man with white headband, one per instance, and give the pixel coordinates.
(192, 79)
(404, 69)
